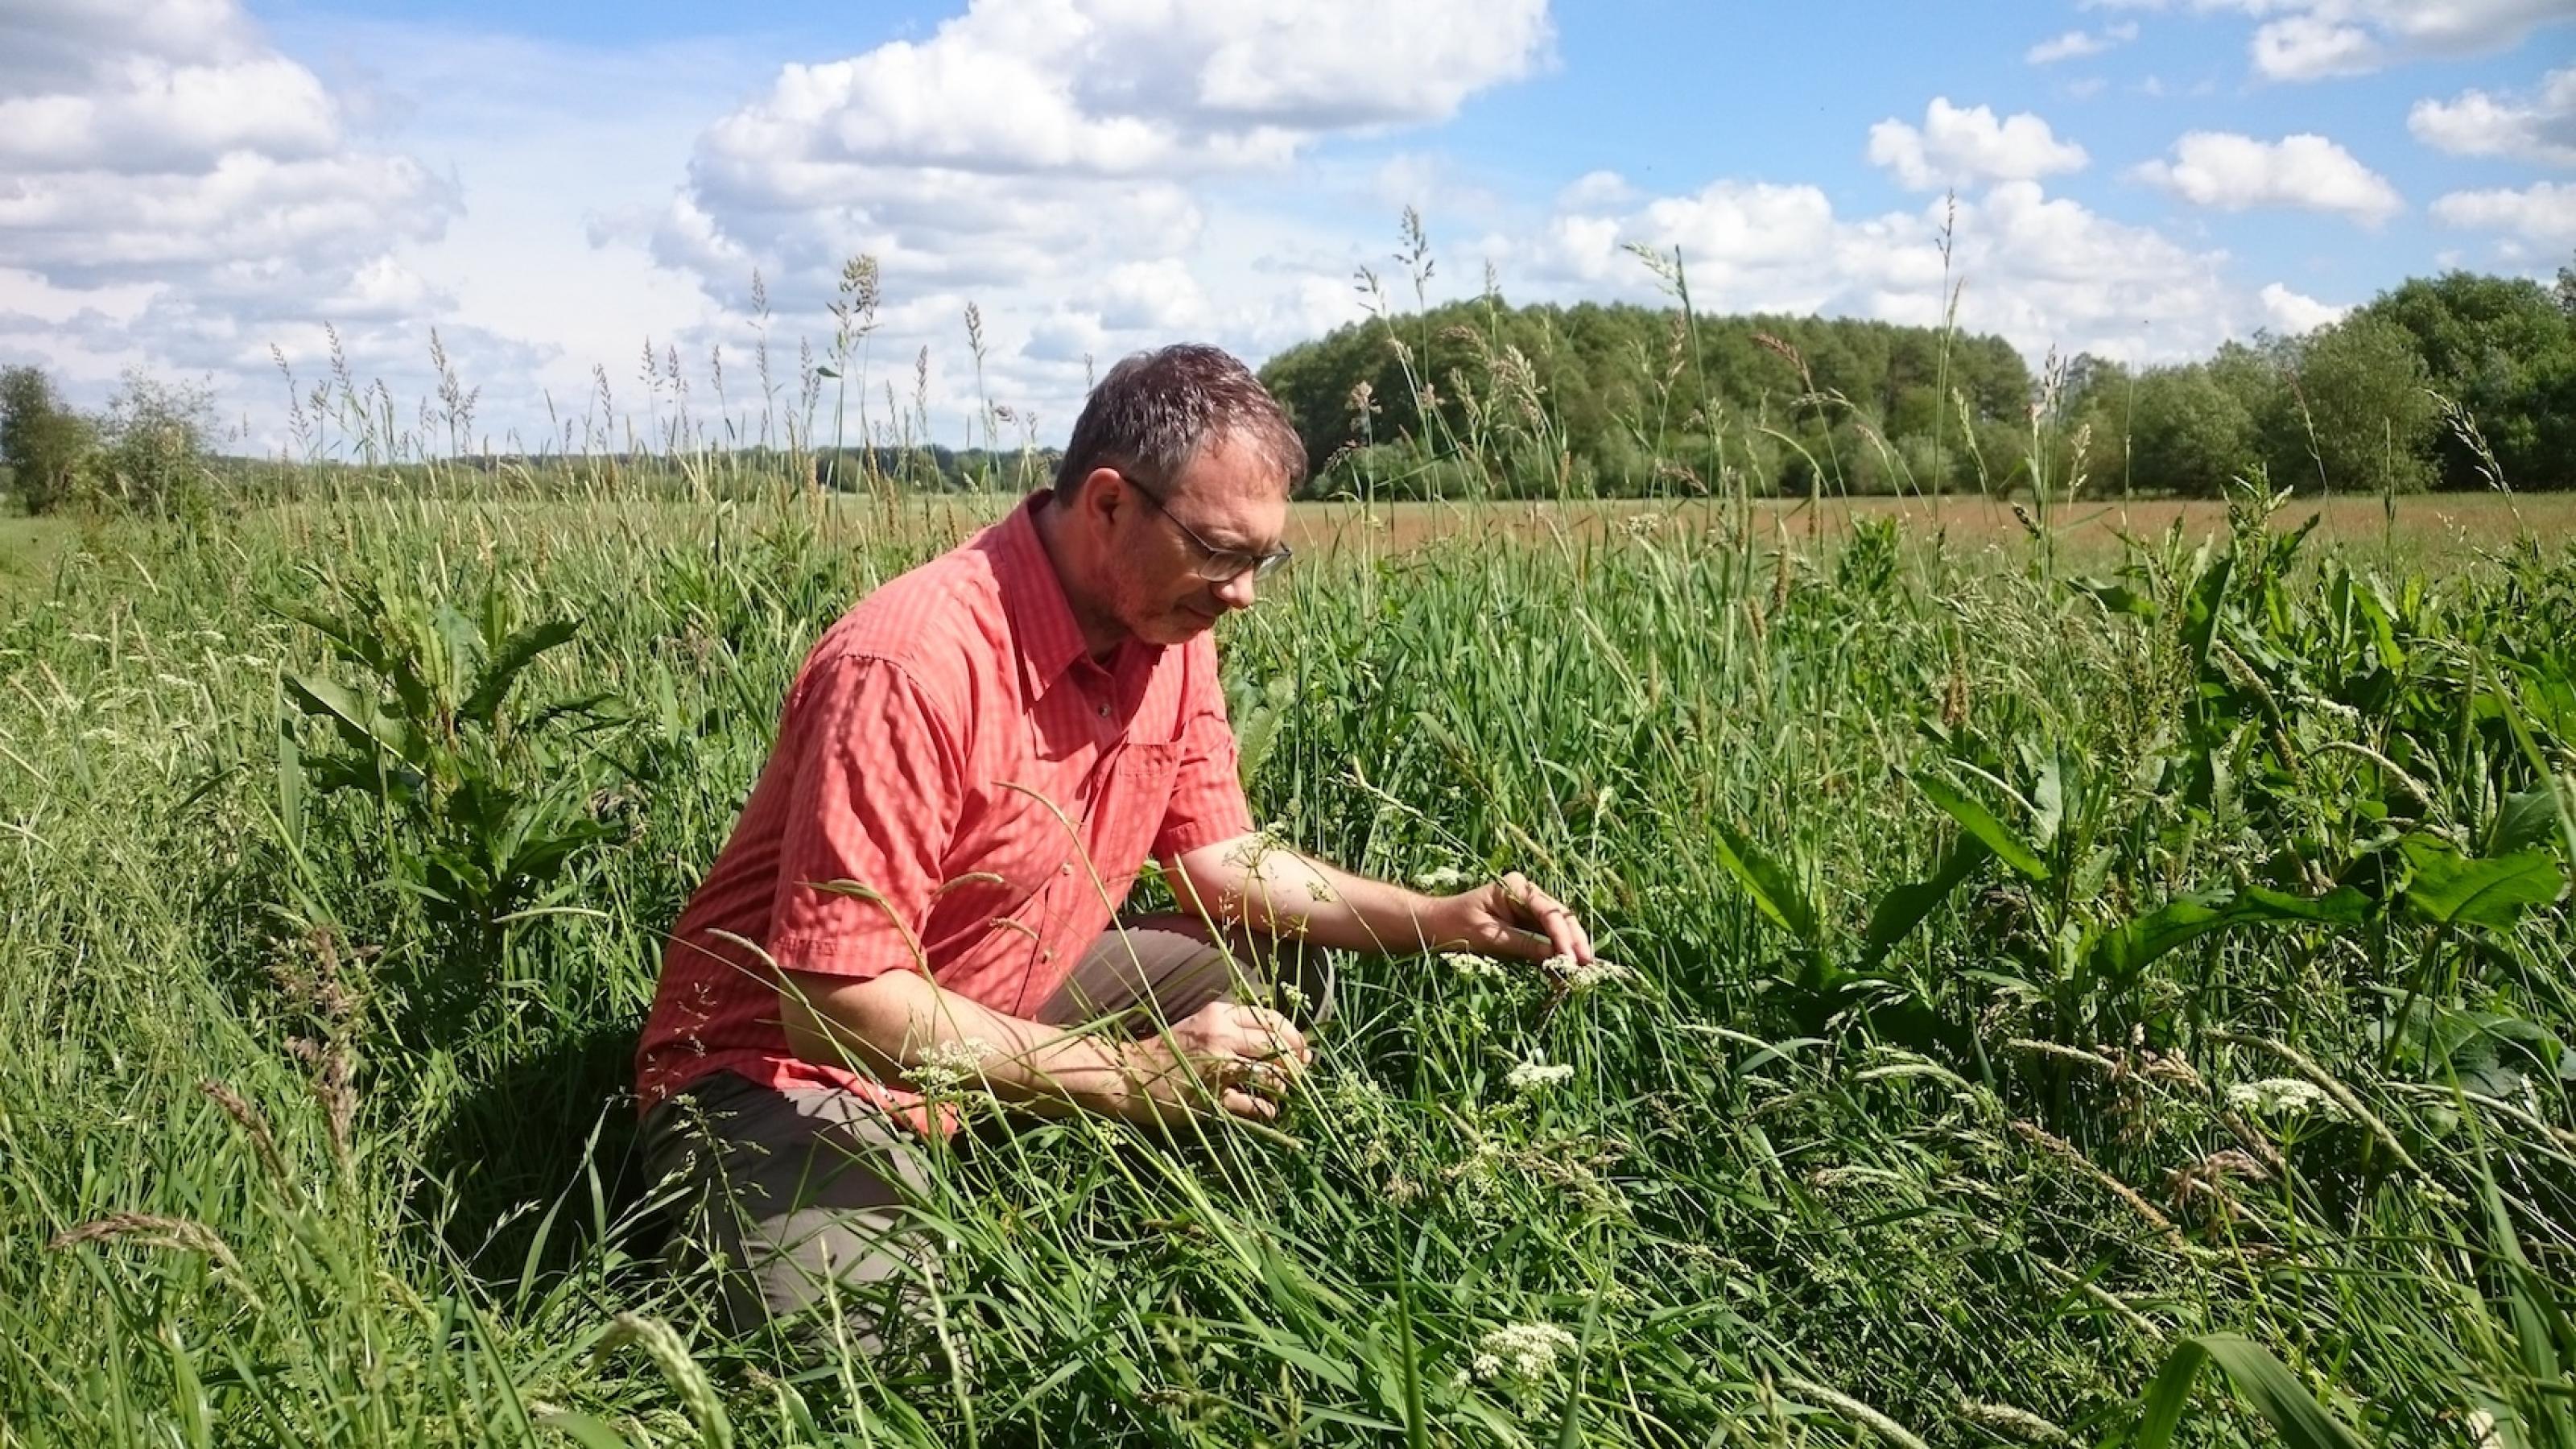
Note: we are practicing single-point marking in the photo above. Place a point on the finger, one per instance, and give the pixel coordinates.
(1275, 1076)
(1279, 1035)
(1223, 1069)
(1271, 1079)
(1258, 1032)
(1563, 932)
(1244, 1104)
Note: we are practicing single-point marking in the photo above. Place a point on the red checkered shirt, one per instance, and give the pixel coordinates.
(951, 747)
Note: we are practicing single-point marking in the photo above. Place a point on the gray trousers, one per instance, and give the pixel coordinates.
(798, 1195)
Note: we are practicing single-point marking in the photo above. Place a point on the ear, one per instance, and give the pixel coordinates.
(1101, 495)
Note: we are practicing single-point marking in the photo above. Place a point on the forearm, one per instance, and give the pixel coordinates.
(1280, 891)
(890, 1026)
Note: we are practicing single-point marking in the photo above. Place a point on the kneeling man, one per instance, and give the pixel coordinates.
(971, 768)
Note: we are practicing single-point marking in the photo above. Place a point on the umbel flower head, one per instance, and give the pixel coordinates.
(2284, 1097)
(949, 1065)
(1537, 1074)
(1468, 963)
(1584, 975)
(1524, 1351)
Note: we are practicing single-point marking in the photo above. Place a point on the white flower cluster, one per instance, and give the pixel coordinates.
(1468, 963)
(1441, 878)
(948, 1065)
(2284, 1097)
(1520, 1350)
(1584, 975)
(1537, 1074)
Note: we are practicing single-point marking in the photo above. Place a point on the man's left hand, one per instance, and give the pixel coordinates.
(1511, 918)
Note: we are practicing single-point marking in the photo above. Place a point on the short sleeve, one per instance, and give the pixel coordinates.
(872, 807)
(1207, 804)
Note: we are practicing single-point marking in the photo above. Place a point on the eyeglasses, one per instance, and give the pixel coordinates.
(1219, 565)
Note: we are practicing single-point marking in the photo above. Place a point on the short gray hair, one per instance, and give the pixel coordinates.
(1155, 410)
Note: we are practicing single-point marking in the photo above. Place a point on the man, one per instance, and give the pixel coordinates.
(971, 768)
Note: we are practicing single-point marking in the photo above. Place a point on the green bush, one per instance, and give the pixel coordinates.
(44, 444)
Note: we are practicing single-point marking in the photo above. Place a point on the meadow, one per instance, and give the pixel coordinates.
(2115, 992)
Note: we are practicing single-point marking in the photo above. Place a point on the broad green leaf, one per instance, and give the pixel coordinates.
(2265, 1382)
(2160, 1408)
(1980, 823)
(2561, 789)
(2117, 597)
(515, 656)
(2260, 1379)
(2451, 889)
(359, 721)
(335, 630)
(584, 1430)
(2048, 799)
(2524, 821)
(2129, 948)
(1774, 890)
(290, 784)
(1256, 731)
(2381, 611)
(2201, 610)
(1903, 907)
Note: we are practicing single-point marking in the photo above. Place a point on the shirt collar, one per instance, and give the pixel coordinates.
(1043, 630)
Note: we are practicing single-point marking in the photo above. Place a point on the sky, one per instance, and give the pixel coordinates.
(213, 190)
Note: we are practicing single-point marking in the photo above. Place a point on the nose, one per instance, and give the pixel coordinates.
(1236, 592)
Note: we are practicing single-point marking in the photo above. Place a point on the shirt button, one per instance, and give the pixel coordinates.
(1104, 711)
(1065, 869)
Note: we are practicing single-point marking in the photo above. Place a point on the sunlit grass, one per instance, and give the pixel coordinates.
(1968, 1191)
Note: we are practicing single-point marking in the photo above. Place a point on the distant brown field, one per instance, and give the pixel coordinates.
(2425, 526)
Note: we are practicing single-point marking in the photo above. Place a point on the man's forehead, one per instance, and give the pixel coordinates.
(1233, 493)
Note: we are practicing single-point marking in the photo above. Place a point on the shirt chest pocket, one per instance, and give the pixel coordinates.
(1130, 810)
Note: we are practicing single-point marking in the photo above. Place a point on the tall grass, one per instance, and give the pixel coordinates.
(2129, 1008)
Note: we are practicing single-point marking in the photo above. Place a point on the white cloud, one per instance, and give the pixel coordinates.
(1596, 189)
(2041, 271)
(2544, 212)
(2477, 124)
(1961, 146)
(2314, 47)
(2305, 40)
(2293, 313)
(2304, 172)
(1068, 163)
(2076, 44)
(197, 193)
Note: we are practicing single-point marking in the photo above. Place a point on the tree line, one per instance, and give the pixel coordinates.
(2459, 381)
(147, 451)
(154, 450)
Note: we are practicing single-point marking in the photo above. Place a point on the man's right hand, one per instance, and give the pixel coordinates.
(1222, 1058)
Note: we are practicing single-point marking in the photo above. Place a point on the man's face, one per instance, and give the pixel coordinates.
(1231, 498)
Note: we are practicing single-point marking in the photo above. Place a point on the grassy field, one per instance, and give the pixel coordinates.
(2079, 994)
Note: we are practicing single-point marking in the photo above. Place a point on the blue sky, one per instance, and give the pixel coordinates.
(197, 188)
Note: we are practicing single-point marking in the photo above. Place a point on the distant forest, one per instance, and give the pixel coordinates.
(2450, 382)
(2461, 381)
